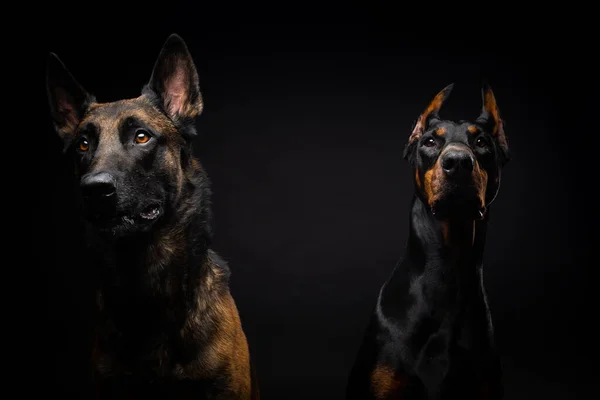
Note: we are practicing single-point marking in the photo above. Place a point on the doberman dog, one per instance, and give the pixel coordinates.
(430, 335)
(167, 325)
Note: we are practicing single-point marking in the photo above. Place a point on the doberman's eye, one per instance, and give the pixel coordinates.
(142, 136)
(480, 142)
(429, 142)
(83, 144)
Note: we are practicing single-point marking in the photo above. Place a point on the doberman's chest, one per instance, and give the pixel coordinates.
(435, 327)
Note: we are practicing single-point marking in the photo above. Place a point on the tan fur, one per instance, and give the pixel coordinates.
(215, 321)
(386, 383)
(490, 105)
(433, 107)
(166, 322)
(227, 349)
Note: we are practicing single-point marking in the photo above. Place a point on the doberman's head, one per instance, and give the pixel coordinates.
(457, 164)
(131, 155)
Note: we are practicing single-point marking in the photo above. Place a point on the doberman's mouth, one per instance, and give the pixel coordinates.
(444, 210)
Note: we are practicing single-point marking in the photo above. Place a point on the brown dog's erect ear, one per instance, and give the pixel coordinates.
(431, 112)
(68, 100)
(490, 117)
(174, 81)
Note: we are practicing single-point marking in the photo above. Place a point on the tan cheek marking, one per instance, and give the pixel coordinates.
(428, 186)
(417, 179)
(433, 181)
(445, 230)
(480, 178)
(385, 382)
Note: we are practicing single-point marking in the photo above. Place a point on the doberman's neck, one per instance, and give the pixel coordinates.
(451, 244)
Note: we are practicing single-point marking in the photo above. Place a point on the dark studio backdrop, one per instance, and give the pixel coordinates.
(302, 135)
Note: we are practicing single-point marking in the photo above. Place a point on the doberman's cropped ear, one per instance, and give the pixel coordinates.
(490, 117)
(174, 81)
(430, 113)
(68, 100)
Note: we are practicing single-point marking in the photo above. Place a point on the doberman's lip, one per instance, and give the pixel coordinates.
(481, 213)
(441, 211)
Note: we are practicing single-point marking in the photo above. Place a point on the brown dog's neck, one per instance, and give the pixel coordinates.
(166, 269)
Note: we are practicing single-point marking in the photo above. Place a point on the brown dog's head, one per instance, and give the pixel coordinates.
(457, 164)
(131, 155)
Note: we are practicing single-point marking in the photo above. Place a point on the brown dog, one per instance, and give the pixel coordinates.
(168, 326)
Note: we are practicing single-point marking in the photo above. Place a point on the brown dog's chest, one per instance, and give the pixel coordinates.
(126, 345)
(117, 353)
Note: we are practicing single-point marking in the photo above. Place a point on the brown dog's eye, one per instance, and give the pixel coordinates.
(480, 142)
(429, 142)
(142, 136)
(83, 144)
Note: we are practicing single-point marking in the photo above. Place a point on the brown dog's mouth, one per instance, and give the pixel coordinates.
(148, 214)
(151, 212)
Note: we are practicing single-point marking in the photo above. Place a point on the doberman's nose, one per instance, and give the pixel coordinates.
(457, 162)
(98, 185)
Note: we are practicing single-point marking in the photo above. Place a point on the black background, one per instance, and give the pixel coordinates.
(307, 110)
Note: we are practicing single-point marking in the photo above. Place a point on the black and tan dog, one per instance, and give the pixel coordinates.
(168, 326)
(430, 335)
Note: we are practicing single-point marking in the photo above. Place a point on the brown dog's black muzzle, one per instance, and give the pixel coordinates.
(99, 191)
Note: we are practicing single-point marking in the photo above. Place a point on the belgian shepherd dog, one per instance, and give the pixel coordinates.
(167, 325)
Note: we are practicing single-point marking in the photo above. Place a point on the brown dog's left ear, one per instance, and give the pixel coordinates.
(490, 117)
(431, 112)
(174, 81)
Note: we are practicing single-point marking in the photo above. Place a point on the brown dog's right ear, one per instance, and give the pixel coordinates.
(174, 81)
(68, 100)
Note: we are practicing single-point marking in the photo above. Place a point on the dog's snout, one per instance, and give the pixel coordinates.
(98, 185)
(457, 162)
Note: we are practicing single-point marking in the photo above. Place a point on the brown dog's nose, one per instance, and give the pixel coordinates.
(98, 185)
(457, 162)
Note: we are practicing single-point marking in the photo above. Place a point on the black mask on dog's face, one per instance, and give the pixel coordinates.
(129, 154)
